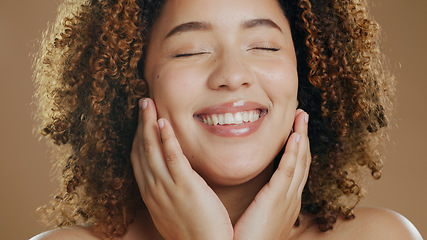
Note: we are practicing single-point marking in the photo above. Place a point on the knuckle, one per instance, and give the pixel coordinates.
(156, 192)
(287, 171)
(293, 152)
(166, 137)
(171, 156)
(148, 148)
(153, 188)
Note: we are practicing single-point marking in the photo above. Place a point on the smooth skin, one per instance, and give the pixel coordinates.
(183, 206)
(199, 186)
(217, 57)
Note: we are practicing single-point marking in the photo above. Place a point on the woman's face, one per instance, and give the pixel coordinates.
(224, 74)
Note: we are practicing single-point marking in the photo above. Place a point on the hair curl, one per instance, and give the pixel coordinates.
(89, 79)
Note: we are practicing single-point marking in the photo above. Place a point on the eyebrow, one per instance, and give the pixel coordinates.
(190, 26)
(204, 26)
(260, 22)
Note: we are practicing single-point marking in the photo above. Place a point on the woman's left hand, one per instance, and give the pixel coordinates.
(276, 207)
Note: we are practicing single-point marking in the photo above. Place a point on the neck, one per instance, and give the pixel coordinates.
(237, 199)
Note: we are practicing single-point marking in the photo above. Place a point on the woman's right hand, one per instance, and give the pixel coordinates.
(181, 204)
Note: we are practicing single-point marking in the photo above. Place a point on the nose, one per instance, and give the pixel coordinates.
(230, 72)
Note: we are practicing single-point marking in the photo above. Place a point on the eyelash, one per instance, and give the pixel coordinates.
(273, 49)
(183, 55)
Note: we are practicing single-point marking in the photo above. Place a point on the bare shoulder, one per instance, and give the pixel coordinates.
(72, 233)
(378, 223)
(369, 224)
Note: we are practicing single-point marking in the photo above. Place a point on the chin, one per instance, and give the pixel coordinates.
(232, 172)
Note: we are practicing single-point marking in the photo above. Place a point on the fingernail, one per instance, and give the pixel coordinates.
(143, 103)
(161, 123)
(306, 118)
(297, 137)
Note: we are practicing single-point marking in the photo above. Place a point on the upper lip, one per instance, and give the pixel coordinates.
(231, 107)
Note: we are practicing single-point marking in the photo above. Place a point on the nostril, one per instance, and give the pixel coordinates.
(246, 84)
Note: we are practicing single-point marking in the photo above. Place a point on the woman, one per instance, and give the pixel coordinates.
(182, 119)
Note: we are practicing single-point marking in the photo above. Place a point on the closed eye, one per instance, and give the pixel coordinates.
(182, 55)
(273, 49)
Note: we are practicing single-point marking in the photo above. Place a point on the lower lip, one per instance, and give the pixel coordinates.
(241, 130)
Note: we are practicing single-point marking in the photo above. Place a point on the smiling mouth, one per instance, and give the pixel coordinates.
(233, 119)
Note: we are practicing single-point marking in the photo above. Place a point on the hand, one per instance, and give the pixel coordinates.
(181, 204)
(276, 207)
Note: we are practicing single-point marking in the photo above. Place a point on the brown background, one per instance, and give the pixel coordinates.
(25, 180)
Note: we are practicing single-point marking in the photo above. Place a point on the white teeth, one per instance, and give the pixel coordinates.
(245, 116)
(228, 118)
(221, 119)
(215, 120)
(231, 119)
(238, 118)
(251, 116)
(256, 117)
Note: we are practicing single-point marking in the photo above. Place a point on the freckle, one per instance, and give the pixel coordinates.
(158, 76)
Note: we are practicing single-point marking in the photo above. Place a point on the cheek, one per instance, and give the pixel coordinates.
(280, 79)
(174, 89)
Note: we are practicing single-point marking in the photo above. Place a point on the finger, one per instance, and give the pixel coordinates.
(177, 163)
(155, 165)
(301, 123)
(288, 162)
(298, 111)
(307, 170)
(285, 171)
(300, 169)
(138, 161)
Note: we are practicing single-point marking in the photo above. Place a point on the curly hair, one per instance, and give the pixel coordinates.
(88, 75)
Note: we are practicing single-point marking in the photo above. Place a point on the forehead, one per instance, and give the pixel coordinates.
(219, 13)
